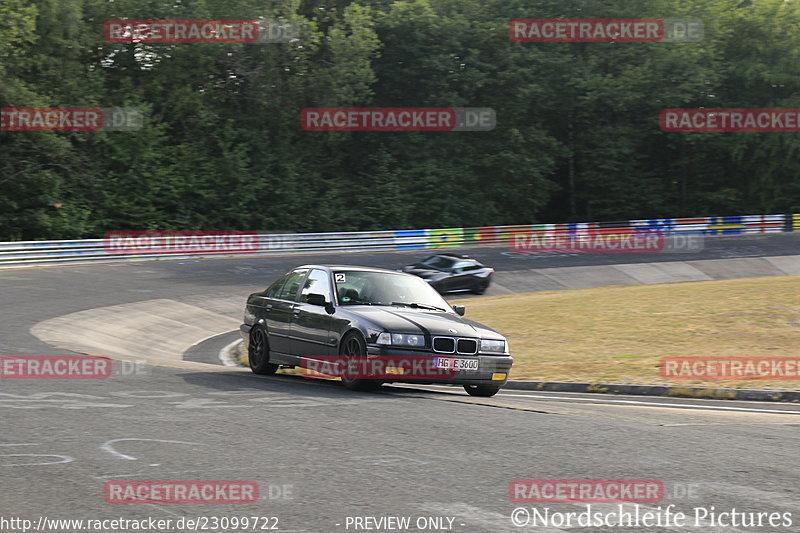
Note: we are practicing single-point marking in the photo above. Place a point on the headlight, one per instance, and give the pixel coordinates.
(492, 346)
(400, 339)
(379, 336)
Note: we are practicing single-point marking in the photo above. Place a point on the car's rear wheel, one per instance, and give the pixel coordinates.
(258, 352)
(481, 286)
(482, 390)
(354, 346)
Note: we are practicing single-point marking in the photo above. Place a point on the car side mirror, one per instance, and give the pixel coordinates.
(319, 299)
(459, 309)
(316, 299)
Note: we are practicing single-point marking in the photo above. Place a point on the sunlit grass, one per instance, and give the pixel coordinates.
(619, 334)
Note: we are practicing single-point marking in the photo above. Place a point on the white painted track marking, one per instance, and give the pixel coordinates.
(109, 446)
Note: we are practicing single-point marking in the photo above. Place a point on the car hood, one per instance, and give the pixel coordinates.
(424, 272)
(404, 320)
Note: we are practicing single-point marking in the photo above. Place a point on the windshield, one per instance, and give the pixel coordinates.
(439, 262)
(385, 288)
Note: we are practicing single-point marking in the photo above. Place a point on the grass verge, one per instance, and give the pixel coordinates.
(620, 334)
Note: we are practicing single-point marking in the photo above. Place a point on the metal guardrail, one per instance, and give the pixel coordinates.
(42, 253)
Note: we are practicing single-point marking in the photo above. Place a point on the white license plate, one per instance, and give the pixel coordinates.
(455, 363)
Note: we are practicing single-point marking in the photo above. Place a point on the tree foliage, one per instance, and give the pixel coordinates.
(222, 147)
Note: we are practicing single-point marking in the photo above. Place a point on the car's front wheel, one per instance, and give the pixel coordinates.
(482, 390)
(354, 346)
(258, 352)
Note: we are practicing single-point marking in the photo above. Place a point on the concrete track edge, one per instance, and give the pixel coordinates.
(757, 395)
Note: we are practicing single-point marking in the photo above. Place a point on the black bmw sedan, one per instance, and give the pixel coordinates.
(327, 317)
(447, 272)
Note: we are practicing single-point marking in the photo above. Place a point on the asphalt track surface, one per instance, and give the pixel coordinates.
(323, 456)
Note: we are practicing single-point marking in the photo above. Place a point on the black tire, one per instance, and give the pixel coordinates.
(258, 352)
(483, 391)
(481, 286)
(354, 344)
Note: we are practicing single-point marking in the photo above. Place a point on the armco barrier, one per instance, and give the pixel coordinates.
(42, 253)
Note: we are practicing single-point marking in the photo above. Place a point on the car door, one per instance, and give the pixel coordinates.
(279, 315)
(471, 278)
(459, 277)
(445, 266)
(311, 323)
(260, 304)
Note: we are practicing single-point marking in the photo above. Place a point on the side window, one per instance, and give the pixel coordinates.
(290, 288)
(458, 267)
(275, 288)
(444, 263)
(317, 283)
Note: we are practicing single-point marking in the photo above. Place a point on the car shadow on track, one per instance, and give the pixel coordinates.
(301, 386)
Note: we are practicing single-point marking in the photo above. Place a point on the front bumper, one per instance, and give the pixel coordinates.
(244, 331)
(489, 366)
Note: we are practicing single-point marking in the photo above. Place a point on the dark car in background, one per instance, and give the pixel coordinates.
(320, 311)
(452, 272)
